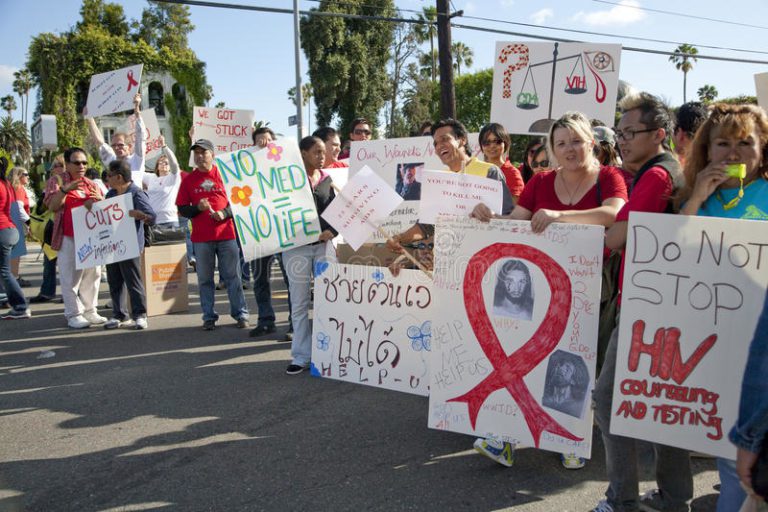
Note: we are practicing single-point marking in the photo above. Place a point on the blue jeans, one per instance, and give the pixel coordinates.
(184, 223)
(262, 290)
(8, 238)
(300, 267)
(48, 286)
(228, 255)
(732, 496)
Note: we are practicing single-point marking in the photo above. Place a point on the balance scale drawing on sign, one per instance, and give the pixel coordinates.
(576, 81)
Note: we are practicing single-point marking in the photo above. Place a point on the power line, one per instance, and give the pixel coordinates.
(684, 15)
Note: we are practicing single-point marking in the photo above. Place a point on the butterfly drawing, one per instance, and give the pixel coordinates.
(323, 341)
(421, 337)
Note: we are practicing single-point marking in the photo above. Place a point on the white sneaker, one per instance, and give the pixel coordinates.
(94, 318)
(603, 506)
(78, 322)
(500, 451)
(141, 323)
(114, 323)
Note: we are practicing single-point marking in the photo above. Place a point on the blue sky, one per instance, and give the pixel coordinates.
(250, 61)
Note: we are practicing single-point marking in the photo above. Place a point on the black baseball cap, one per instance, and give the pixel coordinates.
(202, 143)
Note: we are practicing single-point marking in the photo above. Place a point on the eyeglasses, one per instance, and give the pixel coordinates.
(25, 174)
(79, 162)
(628, 135)
(541, 163)
(496, 142)
(360, 131)
(119, 145)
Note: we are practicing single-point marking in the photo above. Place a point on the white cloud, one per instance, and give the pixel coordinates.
(620, 15)
(541, 16)
(507, 3)
(6, 76)
(470, 8)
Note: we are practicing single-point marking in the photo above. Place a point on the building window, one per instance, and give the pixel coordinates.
(156, 98)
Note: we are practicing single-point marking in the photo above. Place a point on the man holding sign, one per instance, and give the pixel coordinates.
(203, 199)
(119, 148)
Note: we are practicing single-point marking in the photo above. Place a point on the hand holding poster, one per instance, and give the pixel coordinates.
(271, 198)
(373, 328)
(228, 129)
(447, 193)
(514, 350)
(105, 233)
(361, 207)
(691, 296)
(113, 91)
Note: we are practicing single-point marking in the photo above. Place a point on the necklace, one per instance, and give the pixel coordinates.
(730, 205)
(576, 190)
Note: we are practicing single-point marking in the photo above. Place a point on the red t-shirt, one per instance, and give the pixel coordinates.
(6, 198)
(514, 179)
(206, 185)
(540, 193)
(338, 164)
(72, 200)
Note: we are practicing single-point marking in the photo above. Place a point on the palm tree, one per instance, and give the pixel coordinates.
(683, 59)
(22, 84)
(14, 138)
(428, 31)
(427, 64)
(462, 54)
(707, 93)
(8, 103)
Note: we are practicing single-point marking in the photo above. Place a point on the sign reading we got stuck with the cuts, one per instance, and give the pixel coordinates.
(271, 198)
(692, 293)
(514, 335)
(105, 233)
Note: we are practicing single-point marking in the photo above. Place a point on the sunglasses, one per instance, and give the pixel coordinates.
(542, 163)
(489, 142)
(362, 132)
(25, 174)
(79, 162)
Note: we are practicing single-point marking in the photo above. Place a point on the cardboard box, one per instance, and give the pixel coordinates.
(164, 273)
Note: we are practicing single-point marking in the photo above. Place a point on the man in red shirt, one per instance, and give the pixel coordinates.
(203, 199)
(643, 134)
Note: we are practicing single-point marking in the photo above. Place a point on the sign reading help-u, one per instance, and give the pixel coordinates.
(514, 350)
(271, 198)
(373, 328)
(692, 294)
(105, 234)
(113, 91)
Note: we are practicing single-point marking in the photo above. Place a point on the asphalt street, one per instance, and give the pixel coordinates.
(176, 418)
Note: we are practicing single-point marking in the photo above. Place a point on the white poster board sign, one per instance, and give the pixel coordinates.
(105, 234)
(535, 83)
(515, 332)
(392, 159)
(761, 87)
(372, 328)
(362, 207)
(447, 193)
(692, 294)
(228, 129)
(152, 145)
(113, 91)
(271, 198)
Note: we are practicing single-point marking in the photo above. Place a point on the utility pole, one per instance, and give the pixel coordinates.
(299, 98)
(447, 93)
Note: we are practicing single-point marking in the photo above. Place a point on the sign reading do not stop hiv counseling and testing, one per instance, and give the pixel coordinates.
(271, 198)
(514, 350)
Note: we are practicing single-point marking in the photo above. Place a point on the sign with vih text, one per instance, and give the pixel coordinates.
(271, 198)
(448, 193)
(691, 297)
(113, 91)
(228, 129)
(515, 332)
(152, 145)
(372, 328)
(105, 233)
(362, 207)
(536, 83)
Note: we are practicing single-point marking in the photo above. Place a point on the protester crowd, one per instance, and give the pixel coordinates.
(582, 172)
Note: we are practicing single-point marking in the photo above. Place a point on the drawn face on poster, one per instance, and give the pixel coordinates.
(409, 181)
(513, 293)
(566, 384)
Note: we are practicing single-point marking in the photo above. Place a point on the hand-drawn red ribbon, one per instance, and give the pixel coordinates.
(508, 371)
(131, 81)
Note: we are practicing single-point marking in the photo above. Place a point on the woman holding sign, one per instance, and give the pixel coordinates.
(726, 175)
(579, 191)
(300, 262)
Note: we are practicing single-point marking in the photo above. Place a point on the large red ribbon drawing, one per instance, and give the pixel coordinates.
(131, 81)
(508, 371)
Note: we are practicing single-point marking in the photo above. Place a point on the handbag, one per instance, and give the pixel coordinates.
(157, 235)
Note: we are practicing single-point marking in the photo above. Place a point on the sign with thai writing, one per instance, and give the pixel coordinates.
(447, 193)
(361, 207)
(271, 198)
(228, 129)
(691, 297)
(113, 91)
(105, 233)
(152, 145)
(372, 328)
(515, 332)
(536, 83)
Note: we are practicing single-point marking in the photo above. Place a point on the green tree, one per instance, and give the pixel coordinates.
(420, 98)
(707, 93)
(348, 59)
(683, 59)
(164, 25)
(473, 98)
(104, 16)
(427, 31)
(14, 139)
(404, 47)
(306, 95)
(738, 100)
(22, 83)
(8, 103)
(462, 56)
(427, 64)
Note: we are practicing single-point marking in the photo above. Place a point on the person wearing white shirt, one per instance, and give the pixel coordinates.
(119, 148)
(163, 186)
